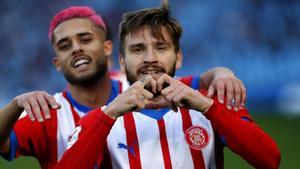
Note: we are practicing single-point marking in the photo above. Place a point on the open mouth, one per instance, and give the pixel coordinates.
(150, 70)
(80, 62)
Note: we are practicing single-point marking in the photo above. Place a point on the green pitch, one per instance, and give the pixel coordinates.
(285, 130)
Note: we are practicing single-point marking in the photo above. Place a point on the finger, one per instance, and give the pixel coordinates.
(36, 110)
(220, 92)
(172, 106)
(211, 91)
(162, 80)
(145, 80)
(229, 94)
(153, 85)
(27, 108)
(166, 91)
(52, 102)
(139, 105)
(178, 99)
(162, 102)
(146, 94)
(237, 96)
(44, 106)
(170, 96)
(244, 95)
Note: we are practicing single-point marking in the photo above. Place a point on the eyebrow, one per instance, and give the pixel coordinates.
(163, 43)
(141, 45)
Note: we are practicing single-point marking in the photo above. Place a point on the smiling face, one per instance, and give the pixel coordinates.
(149, 55)
(81, 50)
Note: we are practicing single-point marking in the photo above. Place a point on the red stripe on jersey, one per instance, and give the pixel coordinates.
(164, 144)
(106, 162)
(197, 156)
(120, 87)
(74, 113)
(132, 140)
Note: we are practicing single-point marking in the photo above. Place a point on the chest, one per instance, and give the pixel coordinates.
(152, 143)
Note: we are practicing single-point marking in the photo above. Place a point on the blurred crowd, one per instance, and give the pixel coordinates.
(259, 40)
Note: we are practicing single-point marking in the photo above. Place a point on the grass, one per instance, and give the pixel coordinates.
(281, 128)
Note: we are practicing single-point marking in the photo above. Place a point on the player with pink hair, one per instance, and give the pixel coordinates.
(78, 37)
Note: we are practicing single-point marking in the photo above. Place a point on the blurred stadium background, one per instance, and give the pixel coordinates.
(259, 40)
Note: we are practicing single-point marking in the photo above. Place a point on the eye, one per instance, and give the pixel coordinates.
(64, 46)
(137, 50)
(162, 48)
(85, 40)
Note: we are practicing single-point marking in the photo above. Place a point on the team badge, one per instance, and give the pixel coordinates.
(197, 137)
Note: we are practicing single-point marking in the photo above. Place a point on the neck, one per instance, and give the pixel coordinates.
(94, 95)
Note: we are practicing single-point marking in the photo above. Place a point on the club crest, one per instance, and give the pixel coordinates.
(197, 137)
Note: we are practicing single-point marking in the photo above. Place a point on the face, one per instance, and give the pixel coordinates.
(81, 50)
(146, 55)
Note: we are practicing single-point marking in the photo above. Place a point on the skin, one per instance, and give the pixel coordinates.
(151, 61)
(74, 40)
(77, 39)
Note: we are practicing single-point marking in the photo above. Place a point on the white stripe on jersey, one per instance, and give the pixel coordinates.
(120, 157)
(149, 142)
(65, 124)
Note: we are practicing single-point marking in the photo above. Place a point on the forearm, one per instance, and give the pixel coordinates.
(245, 138)
(90, 145)
(8, 117)
(207, 77)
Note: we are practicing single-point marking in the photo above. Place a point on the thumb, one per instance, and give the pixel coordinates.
(211, 91)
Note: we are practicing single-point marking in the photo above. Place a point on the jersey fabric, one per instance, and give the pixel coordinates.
(47, 141)
(186, 139)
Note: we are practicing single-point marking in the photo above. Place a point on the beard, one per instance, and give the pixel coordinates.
(133, 77)
(90, 79)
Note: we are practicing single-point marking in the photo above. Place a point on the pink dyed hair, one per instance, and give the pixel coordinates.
(75, 12)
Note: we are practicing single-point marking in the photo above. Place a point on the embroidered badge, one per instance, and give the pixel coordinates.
(197, 137)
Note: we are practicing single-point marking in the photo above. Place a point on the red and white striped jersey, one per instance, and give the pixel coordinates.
(47, 141)
(137, 139)
(177, 140)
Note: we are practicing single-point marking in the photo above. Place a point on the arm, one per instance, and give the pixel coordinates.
(88, 140)
(8, 117)
(87, 143)
(242, 135)
(11, 113)
(220, 80)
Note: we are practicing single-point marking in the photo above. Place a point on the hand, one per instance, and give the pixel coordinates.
(136, 97)
(35, 103)
(235, 90)
(182, 95)
(159, 102)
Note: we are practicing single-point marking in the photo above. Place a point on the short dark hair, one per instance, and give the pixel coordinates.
(156, 18)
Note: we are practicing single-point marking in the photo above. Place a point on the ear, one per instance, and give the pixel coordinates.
(107, 47)
(56, 63)
(178, 59)
(122, 62)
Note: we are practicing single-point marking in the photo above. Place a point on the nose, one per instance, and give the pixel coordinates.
(76, 48)
(150, 57)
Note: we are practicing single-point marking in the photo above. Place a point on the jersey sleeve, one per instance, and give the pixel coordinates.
(32, 138)
(191, 81)
(244, 137)
(88, 142)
